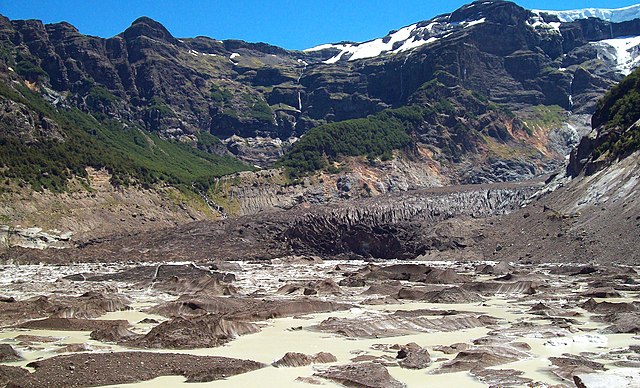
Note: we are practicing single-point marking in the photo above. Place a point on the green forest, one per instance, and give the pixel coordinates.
(617, 112)
(374, 136)
(129, 153)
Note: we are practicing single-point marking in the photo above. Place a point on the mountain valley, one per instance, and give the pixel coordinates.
(452, 204)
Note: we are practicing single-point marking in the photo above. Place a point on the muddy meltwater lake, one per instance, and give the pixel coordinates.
(473, 324)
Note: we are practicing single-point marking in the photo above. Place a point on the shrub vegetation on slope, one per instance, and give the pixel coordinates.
(617, 113)
(373, 136)
(128, 153)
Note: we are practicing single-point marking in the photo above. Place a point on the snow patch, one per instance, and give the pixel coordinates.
(234, 56)
(404, 39)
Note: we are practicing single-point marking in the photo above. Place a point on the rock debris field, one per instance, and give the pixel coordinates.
(302, 321)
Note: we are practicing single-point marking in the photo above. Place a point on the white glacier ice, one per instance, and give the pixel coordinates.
(615, 15)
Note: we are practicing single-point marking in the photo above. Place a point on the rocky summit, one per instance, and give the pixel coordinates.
(451, 204)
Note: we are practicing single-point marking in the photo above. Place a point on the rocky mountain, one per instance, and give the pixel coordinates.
(587, 214)
(490, 92)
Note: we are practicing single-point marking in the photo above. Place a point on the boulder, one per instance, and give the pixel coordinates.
(413, 356)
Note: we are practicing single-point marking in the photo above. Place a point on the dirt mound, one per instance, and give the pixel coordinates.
(96, 369)
(293, 360)
(361, 375)
(247, 309)
(72, 324)
(114, 333)
(452, 295)
(323, 287)
(492, 288)
(379, 325)
(202, 285)
(207, 331)
(8, 354)
(482, 357)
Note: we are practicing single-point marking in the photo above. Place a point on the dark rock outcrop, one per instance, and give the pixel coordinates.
(413, 356)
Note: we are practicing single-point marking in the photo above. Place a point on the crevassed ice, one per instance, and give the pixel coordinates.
(625, 52)
(615, 15)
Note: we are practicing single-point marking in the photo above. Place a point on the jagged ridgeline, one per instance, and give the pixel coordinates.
(478, 94)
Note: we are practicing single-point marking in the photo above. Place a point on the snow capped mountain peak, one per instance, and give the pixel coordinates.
(615, 15)
(404, 39)
(477, 13)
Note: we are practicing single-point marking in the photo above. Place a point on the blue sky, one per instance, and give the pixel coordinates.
(287, 23)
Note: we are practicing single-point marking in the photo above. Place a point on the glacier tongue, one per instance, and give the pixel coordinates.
(615, 15)
(624, 52)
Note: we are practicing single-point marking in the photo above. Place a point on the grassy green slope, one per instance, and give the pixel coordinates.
(130, 154)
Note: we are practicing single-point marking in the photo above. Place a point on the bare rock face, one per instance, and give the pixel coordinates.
(207, 331)
(8, 354)
(413, 356)
(368, 375)
(97, 369)
(293, 360)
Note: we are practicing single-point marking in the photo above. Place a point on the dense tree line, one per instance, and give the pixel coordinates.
(374, 136)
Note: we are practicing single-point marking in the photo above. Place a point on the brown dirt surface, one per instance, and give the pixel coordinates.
(90, 370)
(72, 324)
